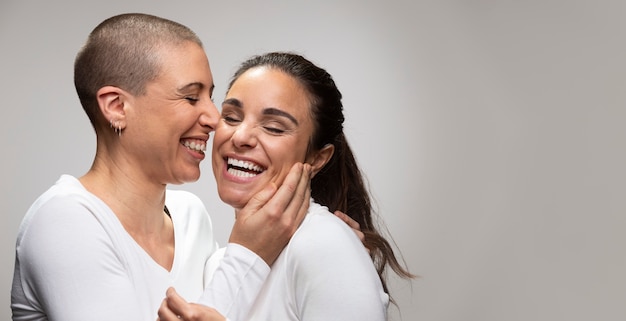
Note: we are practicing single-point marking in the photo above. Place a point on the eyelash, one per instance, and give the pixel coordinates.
(274, 130)
(194, 100)
(229, 119)
(233, 121)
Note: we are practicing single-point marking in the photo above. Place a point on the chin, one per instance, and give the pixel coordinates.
(184, 180)
(235, 201)
(191, 179)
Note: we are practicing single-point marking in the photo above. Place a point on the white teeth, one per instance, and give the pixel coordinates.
(244, 164)
(195, 146)
(239, 173)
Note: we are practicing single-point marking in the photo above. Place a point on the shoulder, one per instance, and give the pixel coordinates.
(65, 222)
(182, 203)
(324, 226)
(328, 266)
(192, 222)
(177, 197)
(322, 234)
(66, 204)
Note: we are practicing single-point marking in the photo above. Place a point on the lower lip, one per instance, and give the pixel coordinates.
(196, 154)
(238, 179)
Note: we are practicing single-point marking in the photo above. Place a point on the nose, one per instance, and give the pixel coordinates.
(209, 116)
(244, 136)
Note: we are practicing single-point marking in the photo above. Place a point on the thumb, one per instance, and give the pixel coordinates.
(175, 302)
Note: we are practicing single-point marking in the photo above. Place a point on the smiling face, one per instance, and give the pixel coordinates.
(167, 128)
(265, 128)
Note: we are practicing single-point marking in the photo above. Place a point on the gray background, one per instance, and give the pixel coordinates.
(492, 134)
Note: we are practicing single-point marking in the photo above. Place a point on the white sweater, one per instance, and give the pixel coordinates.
(323, 274)
(76, 262)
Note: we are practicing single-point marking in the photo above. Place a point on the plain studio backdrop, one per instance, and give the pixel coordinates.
(491, 132)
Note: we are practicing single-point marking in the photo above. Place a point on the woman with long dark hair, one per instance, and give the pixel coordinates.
(281, 109)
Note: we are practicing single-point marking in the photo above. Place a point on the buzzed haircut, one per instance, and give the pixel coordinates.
(124, 51)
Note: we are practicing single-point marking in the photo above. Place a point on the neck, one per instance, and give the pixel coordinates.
(137, 203)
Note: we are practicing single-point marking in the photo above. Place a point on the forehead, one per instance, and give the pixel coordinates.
(271, 87)
(184, 63)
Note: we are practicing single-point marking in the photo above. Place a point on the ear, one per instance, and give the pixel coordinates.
(111, 101)
(321, 158)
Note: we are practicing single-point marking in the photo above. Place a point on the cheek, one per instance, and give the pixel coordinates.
(284, 157)
(220, 135)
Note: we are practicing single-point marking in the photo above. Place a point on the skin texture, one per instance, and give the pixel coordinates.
(173, 304)
(176, 109)
(266, 123)
(152, 124)
(132, 169)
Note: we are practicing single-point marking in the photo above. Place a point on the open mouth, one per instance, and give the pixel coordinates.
(241, 168)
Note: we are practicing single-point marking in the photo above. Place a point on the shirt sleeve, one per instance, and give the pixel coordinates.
(67, 267)
(235, 281)
(333, 277)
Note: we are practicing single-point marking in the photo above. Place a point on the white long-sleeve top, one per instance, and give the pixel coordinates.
(76, 262)
(323, 274)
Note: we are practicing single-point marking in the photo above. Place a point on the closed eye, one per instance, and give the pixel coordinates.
(192, 100)
(230, 120)
(274, 130)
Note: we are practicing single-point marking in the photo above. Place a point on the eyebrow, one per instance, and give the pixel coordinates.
(278, 112)
(195, 85)
(267, 111)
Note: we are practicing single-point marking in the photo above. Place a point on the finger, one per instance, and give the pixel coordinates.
(360, 235)
(165, 314)
(354, 225)
(304, 185)
(175, 303)
(348, 220)
(299, 204)
(259, 199)
(292, 189)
